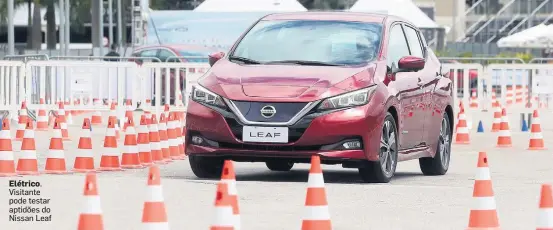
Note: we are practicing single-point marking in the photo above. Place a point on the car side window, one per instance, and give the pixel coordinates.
(149, 54)
(164, 54)
(414, 42)
(397, 45)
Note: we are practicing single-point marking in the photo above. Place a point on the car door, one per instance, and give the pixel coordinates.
(407, 88)
(427, 78)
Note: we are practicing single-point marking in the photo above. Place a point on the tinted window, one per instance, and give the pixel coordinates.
(397, 46)
(334, 42)
(194, 56)
(164, 54)
(414, 42)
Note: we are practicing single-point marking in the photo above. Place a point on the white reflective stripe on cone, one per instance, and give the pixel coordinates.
(484, 203)
(316, 213)
(315, 180)
(156, 226)
(27, 154)
(223, 217)
(545, 218)
(482, 173)
(28, 134)
(155, 193)
(55, 153)
(110, 132)
(231, 185)
(536, 135)
(6, 156)
(86, 133)
(109, 151)
(504, 133)
(143, 147)
(84, 153)
(92, 205)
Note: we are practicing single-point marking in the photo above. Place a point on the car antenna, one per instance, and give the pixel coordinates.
(154, 26)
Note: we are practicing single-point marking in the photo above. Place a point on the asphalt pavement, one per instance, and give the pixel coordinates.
(274, 200)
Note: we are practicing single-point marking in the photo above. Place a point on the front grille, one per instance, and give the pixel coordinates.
(269, 147)
(285, 111)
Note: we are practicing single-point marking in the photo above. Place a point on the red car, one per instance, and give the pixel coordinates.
(361, 90)
(173, 53)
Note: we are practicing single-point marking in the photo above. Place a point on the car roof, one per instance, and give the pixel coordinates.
(178, 47)
(329, 15)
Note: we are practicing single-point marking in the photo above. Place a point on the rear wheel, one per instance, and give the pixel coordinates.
(439, 164)
(206, 167)
(383, 170)
(279, 165)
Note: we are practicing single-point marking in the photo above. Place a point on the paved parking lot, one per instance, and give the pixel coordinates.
(274, 200)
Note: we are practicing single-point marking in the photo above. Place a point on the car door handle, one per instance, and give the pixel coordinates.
(419, 83)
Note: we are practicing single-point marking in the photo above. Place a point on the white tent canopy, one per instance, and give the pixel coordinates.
(540, 36)
(250, 6)
(401, 8)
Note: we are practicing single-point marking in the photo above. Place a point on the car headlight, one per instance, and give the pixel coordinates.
(204, 96)
(351, 99)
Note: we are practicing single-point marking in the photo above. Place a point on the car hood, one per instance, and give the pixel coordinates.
(281, 82)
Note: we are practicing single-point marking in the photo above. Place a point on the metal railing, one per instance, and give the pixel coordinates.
(541, 61)
(463, 37)
(169, 59)
(26, 57)
(500, 12)
(514, 29)
(93, 58)
(500, 31)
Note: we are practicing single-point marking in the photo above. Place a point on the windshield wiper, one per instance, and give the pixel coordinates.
(303, 62)
(244, 60)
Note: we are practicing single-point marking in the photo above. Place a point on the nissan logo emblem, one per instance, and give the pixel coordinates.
(268, 111)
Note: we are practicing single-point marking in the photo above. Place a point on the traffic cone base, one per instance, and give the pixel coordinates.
(55, 166)
(7, 168)
(27, 167)
(109, 163)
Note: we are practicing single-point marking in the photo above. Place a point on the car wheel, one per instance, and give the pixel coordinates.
(383, 170)
(279, 165)
(206, 167)
(439, 164)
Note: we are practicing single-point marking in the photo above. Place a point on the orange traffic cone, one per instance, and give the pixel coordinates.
(7, 160)
(545, 213)
(91, 216)
(27, 163)
(180, 136)
(496, 119)
(130, 157)
(172, 136)
(229, 177)
(164, 139)
(128, 113)
(473, 100)
(157, 155)
(55, 160)
(484, 216)
(536, 137)
(504, 138)
(143, 140)
(63, 122)
(84, 162)
(317, 217)
(224, 220)
(110, 156)
(22, 122)
(462, 135)
(154, 215)
(42, 118)
(96, 118)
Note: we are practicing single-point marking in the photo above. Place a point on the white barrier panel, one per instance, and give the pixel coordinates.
(69, 80)
(465, 75)
(531, 83)
(12, 75)
(156, 86)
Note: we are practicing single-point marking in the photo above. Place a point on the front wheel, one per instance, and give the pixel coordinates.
(439, 164)
(206, 167)
(383, 170)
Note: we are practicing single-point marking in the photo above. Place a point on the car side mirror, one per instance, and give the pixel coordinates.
(213, 58)
(410, 63)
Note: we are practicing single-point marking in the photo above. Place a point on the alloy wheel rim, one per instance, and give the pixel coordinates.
(445, 139)
(388, 148)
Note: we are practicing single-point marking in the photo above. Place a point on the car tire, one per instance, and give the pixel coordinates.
(279, 165)
(383, 170)
(206, 167)
(439, 164)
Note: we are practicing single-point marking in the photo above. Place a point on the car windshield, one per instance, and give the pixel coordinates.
(309, 42)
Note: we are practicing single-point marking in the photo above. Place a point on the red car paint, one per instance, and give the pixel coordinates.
(418, 109)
